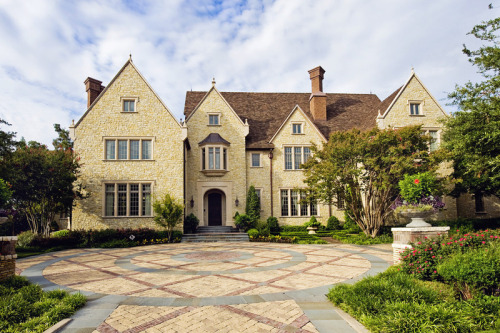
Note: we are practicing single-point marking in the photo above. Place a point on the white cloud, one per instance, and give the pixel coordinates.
(50, 47)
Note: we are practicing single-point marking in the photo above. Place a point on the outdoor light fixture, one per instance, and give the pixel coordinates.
(236, 202)
(270, 154)
(191, 202)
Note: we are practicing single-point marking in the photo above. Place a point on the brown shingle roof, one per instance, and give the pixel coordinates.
(386, 102)
(266, 112)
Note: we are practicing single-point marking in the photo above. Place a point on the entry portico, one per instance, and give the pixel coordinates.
(216, 199)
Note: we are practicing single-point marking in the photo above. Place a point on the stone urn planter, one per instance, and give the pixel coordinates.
(312, 230)
(417, 217)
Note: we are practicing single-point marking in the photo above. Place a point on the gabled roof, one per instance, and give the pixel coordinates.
(266, 112)
(387, 104)
(205, 95)
(309, 120)
(384, 105)
(128, 63)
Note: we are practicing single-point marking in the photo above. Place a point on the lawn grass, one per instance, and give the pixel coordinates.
(24, 307)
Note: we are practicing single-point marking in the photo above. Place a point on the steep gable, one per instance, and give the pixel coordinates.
(397, 109)
(307, 128)
(127, 82)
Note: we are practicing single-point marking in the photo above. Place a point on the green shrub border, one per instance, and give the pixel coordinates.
(24, 307)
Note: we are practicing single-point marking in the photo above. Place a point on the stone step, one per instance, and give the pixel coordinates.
(215, 229)
(221, 237)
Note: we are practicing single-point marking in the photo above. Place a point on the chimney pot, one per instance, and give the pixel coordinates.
(93, 88)
(317, 101)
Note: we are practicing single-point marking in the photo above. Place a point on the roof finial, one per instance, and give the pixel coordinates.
(412, 70)
(213, 81)
(130, 57)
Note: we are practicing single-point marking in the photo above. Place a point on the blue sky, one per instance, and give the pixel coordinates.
(50, 47)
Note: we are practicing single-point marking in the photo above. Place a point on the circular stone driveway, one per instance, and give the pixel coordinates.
(189, 276)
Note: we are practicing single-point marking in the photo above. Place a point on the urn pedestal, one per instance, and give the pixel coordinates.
(406, 235)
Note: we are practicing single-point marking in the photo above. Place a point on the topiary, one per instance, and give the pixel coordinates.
(313, 222)
(272, 224)
(253, 233)
(333, 223)
(190, 224)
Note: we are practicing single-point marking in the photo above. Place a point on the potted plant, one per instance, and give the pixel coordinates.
(418, 199)
(312, 225)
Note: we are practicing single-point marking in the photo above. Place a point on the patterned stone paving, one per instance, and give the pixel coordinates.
(213, 272)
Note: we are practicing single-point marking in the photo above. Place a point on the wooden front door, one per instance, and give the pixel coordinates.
(214, 209)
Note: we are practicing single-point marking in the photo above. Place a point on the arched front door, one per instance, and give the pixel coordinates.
(215, 208)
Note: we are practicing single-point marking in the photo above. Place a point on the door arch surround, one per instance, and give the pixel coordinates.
(214, 204)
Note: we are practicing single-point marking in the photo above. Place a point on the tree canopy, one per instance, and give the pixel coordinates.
(363, 168)
(42, 183)
(168, 213)
(472, 134)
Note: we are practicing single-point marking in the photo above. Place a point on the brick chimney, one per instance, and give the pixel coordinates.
(93, 88)
(317, 101)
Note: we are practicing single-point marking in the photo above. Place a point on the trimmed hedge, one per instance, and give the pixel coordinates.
(97, 238)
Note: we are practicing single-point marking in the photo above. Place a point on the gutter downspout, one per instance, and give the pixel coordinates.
(271, 177)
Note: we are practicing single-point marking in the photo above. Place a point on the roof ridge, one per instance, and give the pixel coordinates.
(281, 93)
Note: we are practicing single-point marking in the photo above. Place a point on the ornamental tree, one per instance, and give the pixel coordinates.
(42, 183)
(472, 134)
(168, 213)
(365, 168)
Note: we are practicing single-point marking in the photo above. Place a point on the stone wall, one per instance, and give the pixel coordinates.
(467, 207)
(7, 256)
(152, 121)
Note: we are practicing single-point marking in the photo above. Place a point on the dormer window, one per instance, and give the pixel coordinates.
(213, 119)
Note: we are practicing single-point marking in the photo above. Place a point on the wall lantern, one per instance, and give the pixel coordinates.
(270, 155)
(191, 202)
(236, 202)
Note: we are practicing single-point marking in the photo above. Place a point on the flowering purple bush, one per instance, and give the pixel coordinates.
(435, 202)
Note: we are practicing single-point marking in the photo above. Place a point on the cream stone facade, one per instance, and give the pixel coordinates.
(217, 191)
(105, 121)
(227, 143)
(290, 179)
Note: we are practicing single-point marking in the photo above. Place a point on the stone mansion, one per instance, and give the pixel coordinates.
(133, 149)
